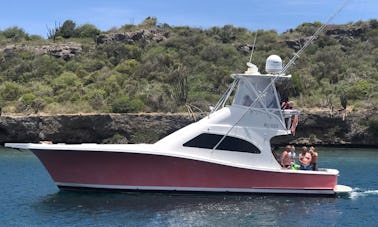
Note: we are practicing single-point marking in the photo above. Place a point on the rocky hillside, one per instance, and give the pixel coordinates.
(154, 67)
(315, 129)
(68, 50)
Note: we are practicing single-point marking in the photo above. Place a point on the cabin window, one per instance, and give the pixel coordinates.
(208, 141)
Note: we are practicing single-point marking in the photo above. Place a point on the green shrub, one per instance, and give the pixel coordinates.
(312, 138)
(38, 104)
(136, 105)
(127, 67)
(28, 98)
(15, 33)
(124, 104)
(121, 104)
(117, 52)
(10, 91)
(36, 38)
(66, 79)
(93, 65)
(149, 22)
(96, 98)
(86, 31)
(67, 29)
(111, 86)
(46, 67)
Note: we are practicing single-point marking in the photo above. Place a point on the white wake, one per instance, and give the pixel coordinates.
(357, 192)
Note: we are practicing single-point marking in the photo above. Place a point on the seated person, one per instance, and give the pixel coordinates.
(285, 104)
(305, 159)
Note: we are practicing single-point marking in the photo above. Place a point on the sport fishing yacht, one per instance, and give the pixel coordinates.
(227, 151)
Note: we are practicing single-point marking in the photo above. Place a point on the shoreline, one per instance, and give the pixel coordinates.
(319, 129)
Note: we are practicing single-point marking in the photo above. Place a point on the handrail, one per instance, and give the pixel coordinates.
(225, 96)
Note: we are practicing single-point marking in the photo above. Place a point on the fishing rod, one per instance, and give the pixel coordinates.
(312, 38)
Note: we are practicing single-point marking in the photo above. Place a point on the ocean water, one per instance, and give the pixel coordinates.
(28, 197)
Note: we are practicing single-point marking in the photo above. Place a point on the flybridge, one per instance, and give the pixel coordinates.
(263, 94)
(255, 90)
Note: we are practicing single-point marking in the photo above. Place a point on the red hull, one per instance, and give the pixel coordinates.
(156, 172)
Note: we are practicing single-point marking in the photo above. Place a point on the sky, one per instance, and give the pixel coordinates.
(36, 16)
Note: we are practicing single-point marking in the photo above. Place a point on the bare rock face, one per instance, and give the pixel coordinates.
(142, 35)
(100, 128)
(321, 128)
(18, 129)
(246, 49)
(68, 50)
(297, 44)
(341, 32)
(332, 130)
(65, 51)
(313, 129)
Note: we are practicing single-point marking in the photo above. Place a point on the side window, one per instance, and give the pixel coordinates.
(208, 141)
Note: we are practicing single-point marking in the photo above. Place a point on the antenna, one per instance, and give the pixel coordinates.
(253, 48)
(252, 68)
(314, 36)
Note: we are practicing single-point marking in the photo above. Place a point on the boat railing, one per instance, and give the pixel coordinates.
(222, 101)
(291, 118)
(270, 113)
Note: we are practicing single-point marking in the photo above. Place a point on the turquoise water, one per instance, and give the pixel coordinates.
(28, 197)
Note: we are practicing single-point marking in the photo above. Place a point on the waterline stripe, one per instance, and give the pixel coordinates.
(198, 189)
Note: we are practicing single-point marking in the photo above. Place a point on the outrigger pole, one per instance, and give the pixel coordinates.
(312, 38)
(284, 69)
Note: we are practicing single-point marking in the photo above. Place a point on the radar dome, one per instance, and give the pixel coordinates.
(273, 64)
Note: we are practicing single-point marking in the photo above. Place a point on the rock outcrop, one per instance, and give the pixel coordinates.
(68, 50)
(316, 129)
(339, 32)
(297, 44)
(342, 31)
(108, 128)
(65, 51)
(142, 35)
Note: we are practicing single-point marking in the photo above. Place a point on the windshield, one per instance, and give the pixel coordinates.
(250, 88)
